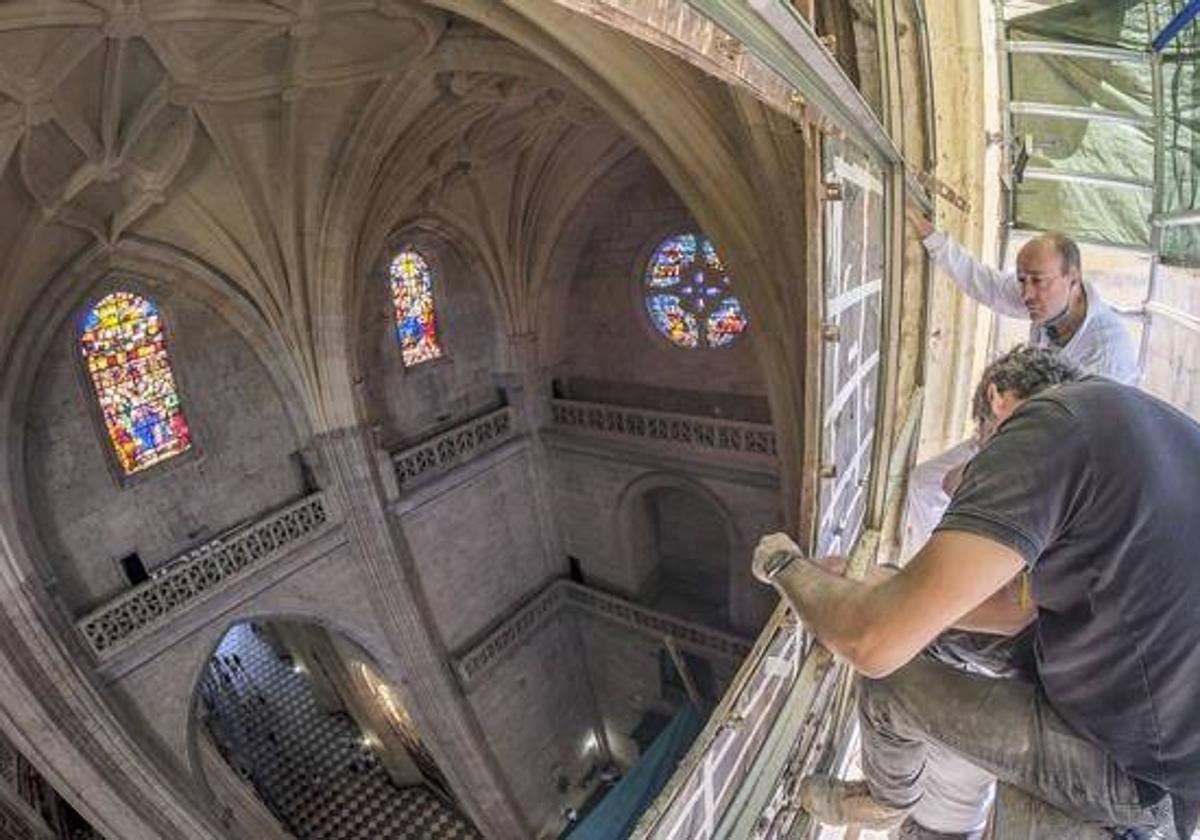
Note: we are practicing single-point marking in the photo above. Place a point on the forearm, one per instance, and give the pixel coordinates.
(845, 615)
(881, 626)
(995, 290)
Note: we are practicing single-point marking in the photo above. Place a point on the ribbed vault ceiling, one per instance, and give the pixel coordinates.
(222, 129)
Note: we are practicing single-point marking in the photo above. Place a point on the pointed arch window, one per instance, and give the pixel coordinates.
(688, 295)
(124, 348)
(412, 301)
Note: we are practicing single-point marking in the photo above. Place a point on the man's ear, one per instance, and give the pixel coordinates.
(993, 398)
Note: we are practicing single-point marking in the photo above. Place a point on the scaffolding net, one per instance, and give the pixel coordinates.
(1106, 138)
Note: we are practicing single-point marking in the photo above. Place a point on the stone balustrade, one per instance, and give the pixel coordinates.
(453, 447)
(565, 595)
(756, 440)
(198, 572)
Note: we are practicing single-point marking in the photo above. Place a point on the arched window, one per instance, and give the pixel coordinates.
(125, 350)
(688, 295)
(412, 300)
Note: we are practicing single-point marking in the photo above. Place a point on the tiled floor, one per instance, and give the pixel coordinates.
(310, 767)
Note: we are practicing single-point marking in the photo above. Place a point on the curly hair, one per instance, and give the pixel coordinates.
(1025, 371)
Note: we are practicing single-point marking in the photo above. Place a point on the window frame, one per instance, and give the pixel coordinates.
(131, 283)
(641, 289)
(428, 252)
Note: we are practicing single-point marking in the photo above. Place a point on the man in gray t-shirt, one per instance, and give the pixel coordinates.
(1091, 488)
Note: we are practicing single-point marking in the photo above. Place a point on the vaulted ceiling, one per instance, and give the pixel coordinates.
(271, 148)
(225, 130)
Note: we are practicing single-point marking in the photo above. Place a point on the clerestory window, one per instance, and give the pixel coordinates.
(124, 348)
(412, 302)
(688, 295)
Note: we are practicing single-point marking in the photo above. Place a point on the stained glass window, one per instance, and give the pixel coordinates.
(412, 299)
(125, 350)
(688, 294)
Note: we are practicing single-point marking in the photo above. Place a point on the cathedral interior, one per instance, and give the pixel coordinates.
(392, 392)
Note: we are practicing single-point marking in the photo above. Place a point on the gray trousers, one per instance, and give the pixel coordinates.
(1003, 726)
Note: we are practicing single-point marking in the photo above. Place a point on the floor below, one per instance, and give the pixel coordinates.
(310, 767)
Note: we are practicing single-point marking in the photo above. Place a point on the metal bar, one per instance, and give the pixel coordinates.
(1160, 165)
(1071, 50)
(1186, 15)
(1086, 240)
(1076, 112)
(1183, 319)
(1181, 57)
(1036, 173)
(783, 40)
(685, 674)
(778, 35)
(1181, 219)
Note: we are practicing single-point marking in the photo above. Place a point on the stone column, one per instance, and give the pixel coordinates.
(418, 664)
(527, 386)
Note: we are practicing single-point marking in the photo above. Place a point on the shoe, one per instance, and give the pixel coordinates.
(836, 802)
(910, 829)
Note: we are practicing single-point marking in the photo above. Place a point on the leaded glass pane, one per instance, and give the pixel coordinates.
(124, 347)
(412, 300)
(688, 294)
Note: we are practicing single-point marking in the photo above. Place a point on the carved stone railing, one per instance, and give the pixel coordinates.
(453, 446)
(657, 624)
(563, 595)
(710, 433)
(198, 572)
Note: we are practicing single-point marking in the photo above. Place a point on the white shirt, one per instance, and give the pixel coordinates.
(1102, 345)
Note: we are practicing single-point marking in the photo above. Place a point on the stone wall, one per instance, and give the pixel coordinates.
(244, 461)
(409, 403)
(598, 496)
(613, 353)
(538, 715)
(478, 545)
(626, 673)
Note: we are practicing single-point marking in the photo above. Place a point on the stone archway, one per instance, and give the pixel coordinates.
(679, 538)
(305, 719)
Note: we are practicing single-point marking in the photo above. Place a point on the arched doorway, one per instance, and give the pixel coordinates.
(680, 541)
(305, 718)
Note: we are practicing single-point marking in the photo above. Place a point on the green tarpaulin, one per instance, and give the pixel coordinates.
(1106, 150)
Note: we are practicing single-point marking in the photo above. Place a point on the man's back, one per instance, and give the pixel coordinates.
(1095, 484)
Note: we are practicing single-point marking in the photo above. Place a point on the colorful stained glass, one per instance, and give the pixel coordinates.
(412, 299)
(726, 322)
(688, 294)
(672, 321)
(125, 350)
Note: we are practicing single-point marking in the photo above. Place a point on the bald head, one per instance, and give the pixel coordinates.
(1050, 272)
(1066, 248)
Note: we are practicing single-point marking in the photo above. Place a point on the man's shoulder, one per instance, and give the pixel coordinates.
(1094, 404)
(1070, 395)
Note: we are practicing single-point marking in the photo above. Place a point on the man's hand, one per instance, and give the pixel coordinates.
(916, 218)
(768, 547)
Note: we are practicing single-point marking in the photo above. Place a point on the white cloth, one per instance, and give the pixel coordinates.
(958, 795)
(927, 499)
(1102, 345)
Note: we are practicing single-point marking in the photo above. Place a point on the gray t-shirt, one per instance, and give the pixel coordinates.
(1097, 486)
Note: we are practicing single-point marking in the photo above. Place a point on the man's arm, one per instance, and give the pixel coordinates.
(880, 628)
(994, 289)
(1006, 613)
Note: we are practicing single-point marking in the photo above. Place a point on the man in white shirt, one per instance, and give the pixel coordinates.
(1067, 313)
